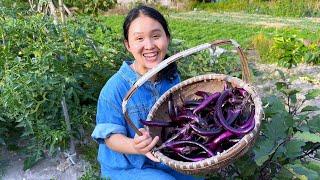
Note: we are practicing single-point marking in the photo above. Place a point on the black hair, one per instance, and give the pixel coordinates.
(170, 71)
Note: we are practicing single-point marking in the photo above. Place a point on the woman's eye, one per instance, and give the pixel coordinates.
(156, 36)
(139, 38)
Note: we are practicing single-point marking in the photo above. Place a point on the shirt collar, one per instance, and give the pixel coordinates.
(128, 73)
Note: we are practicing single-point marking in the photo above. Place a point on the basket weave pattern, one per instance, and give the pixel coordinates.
(185, 90)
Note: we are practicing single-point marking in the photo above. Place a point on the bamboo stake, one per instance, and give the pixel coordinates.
(61, 9)
(67, 119)
(53, 12)
(67, 10)
(39, 7)
(31, 5)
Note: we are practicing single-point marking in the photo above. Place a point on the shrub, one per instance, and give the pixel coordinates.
(289, 51)
(313, 55)
(263, 45)
(91, 6)
(40, 64)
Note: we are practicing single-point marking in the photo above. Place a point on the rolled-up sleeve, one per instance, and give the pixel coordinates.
(109, 120)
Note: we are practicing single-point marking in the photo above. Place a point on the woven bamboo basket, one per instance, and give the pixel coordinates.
(185, 90)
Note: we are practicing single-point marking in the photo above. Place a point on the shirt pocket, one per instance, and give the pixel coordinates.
(137, 111)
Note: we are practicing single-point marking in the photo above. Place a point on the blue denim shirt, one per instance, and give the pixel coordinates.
(110, 119)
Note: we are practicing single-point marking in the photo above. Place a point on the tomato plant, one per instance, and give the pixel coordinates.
(41, 63)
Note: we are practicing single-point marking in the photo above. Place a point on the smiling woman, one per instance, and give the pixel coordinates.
(122, 154)
(147, 42)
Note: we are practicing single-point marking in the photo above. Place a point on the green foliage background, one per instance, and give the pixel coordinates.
(40, 64)
(288, 8)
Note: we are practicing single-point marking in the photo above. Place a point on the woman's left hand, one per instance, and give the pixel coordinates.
(143, 144)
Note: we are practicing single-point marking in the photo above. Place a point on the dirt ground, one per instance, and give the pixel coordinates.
(44, 170)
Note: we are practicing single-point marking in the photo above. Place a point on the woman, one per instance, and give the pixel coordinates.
(122, 154)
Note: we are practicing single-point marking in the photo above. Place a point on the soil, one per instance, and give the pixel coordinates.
(45, 169)
(302, 77)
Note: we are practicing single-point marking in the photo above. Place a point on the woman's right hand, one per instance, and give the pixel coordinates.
(143, 144)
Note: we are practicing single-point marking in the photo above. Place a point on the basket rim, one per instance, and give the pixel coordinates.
(238, 147)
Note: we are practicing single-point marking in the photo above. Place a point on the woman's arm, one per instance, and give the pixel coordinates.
(138, 145)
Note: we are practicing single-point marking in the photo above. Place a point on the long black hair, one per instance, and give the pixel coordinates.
(170, 71)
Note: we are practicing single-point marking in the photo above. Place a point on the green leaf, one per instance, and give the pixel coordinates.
(277, 128)
(262, 150)
(312, 94)
(293, 148)
(293, 96)
(21, 124)
(303, 172)
(307, 137)
(29, 162)
(281, 74)
(314, 124)
(313, 166)
(2, 119)
(284, 173)
(245, 163)
(281, 85)
(275, 132)
(274, 106)
(2, 142)
(310, 108)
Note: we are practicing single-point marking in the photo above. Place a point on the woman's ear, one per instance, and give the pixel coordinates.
(126, 44)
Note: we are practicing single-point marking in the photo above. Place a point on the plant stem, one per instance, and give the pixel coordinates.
(313, 149)
(273, 153)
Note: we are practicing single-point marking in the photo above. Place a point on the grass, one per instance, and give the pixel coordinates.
(281, 8)
(197, 28)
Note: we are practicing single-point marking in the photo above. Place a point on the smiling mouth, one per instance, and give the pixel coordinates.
(150, 56)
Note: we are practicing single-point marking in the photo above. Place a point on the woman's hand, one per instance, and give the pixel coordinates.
(143, 144)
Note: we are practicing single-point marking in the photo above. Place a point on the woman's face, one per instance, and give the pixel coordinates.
(147, 42)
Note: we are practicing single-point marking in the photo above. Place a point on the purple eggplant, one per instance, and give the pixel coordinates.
(222, 137)
(201, 128)
(156, 123)
(241, 92)
(191, 118)
(193, 159)
(244, 129)
(203, 132)
(174, 144)
(171, 108)
(203, 94)
(181, 132)
(191, 103)
(223, 121)
(232, 115)
(207, 101)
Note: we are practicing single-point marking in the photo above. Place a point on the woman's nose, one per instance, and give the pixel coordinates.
(149, 44)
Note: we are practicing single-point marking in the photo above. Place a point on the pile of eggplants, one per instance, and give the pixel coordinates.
(205, 126)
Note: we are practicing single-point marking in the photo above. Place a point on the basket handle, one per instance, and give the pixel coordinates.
(171, 59)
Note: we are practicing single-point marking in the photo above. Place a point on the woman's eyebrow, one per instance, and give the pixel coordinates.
(137, 33)
(152, 31)
(156, 30)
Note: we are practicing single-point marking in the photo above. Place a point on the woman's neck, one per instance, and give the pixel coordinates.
(140, 72)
